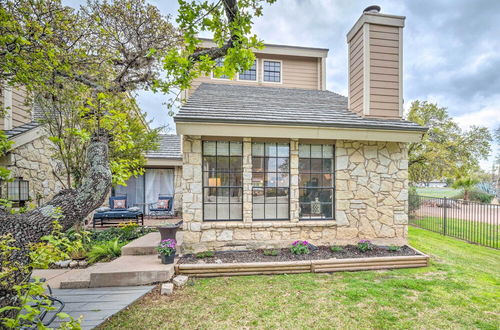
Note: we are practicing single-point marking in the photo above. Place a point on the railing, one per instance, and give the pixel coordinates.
(470, 221)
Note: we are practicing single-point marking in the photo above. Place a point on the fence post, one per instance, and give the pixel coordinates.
(445, 207)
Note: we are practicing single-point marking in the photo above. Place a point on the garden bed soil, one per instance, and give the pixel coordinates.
(321, 253)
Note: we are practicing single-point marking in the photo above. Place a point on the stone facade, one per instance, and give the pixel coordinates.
(178, 189)
(32, 161)
(371, 201)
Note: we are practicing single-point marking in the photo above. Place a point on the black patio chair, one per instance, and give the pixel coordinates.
(164, 206)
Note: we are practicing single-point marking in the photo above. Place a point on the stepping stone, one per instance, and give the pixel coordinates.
(180, 280)
(167, 289)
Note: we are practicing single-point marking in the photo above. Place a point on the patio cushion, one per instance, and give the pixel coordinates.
(163, 203)
(103, 209)
(119, 203)
(133, 209)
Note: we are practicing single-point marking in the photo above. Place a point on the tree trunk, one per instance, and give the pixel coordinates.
(68, 207)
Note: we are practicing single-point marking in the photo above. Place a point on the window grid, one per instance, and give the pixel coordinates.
(272, 71)
(219, 62)
(250, 74)
(214, 183)
(314, 194)
(280, 189)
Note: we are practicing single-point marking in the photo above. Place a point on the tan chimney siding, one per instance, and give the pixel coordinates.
(375, 66)
(356, 67)
(384, 71)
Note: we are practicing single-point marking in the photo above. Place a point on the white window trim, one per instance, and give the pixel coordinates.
(256, 73)
(281, 72)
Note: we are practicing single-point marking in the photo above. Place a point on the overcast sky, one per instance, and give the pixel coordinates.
(451, 50)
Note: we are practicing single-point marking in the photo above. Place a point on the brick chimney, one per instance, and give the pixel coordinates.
(376, 65)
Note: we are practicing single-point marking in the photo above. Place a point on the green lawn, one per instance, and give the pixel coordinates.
(477, 232)
(460, 290)
(438, 192)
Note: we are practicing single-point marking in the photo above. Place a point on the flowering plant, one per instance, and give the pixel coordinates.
(300, 247)
(167, 247)
(365, 245)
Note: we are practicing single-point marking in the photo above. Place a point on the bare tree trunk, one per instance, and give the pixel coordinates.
(70, 206)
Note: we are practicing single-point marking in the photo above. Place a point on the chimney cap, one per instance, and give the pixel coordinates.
(372, 9)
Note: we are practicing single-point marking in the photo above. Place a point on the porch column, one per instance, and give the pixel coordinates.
(294, 180)
(191, 175)
(247, 180)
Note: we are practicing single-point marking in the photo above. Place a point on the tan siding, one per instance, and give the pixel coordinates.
(21, 113)
(384, 71)
(297, 72)
(356, 72)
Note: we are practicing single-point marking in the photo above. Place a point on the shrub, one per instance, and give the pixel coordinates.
(480, 196)
(336, 248)
(413, 200)
(394, 248)
(105, 251)
(365, 245)
(300, 247)
(167, 247)
(206, 254)
(272, 253)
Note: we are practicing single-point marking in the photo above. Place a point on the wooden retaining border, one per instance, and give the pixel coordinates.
(303, 266)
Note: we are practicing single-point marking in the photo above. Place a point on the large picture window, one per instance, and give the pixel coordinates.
(271, 181)
(250, 74)
(222, 180)
(272, 71)
(316, 181)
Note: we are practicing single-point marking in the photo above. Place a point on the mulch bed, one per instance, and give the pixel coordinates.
(322, 252)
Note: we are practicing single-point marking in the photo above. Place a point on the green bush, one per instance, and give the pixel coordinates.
(336, 248)
(271, 253)
(206, 254)
(477, 195)
(105, 251)
(413, 200)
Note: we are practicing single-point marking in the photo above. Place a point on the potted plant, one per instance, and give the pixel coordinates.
(166, 249)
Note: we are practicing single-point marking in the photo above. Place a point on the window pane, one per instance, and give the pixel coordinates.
(222, 195)
(271, 180)
(271, 165)
(222, 148)
(258, 211)
(325, 195)
(283, 149)
(282, 164)
(212, 180)
(250, 74)
(258, 149)
(258, 195)
(328, 165)
(258, 179)
(305, 210)
(316, 151)
(223, 163)
(306, 195)
(282, 211)
(315, 180)
(235, 212)
(327, 151)
(283, 180)
(235, 179)
(304, 150)
(270, 195)
(304, 180)
(210, 195)
(258, 164)
(223, 211)
(270, 211)
(209, 148)
(236, 148)
(316, 165)
(236, 164)
(271, 149)
(210, 211)
(327, 210)
(327, 180)
(236, 195)
(209, 163)
(304, 165)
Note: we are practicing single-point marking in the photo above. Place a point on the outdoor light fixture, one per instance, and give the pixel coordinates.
(18, 190)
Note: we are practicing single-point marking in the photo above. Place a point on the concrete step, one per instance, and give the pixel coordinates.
(144, 245)
(78, 279)
(131, 270)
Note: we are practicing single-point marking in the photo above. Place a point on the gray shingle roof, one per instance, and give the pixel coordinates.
(21, 129)
(278, 106)
(170, 147)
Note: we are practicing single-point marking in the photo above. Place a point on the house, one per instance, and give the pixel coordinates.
(272, 156)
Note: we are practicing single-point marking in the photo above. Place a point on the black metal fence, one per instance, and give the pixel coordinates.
(470, 221)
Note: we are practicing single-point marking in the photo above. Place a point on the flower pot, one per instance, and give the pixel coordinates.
(168, 230)
(168, 259)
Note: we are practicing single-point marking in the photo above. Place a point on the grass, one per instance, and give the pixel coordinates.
(459, 290)
(438, 192)
(481, 233)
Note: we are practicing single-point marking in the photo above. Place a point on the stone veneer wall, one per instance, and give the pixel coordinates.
(178, 189)
(371, 201)
(32, 161)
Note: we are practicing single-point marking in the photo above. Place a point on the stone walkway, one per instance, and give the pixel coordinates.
(98, 304)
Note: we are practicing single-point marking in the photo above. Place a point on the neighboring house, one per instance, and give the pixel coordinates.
(272, 156)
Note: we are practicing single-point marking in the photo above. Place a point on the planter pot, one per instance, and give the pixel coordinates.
(167, 259)
(168, 231)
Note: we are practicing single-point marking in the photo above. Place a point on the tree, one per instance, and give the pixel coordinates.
(105, 51)
(446, 151)
(465, 183)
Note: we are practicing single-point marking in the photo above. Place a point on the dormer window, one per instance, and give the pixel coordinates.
(272, 71)
(250, 74)
(219, 62)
